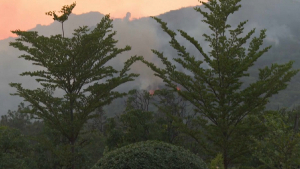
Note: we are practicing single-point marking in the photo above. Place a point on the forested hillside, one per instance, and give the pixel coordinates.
(214, 86)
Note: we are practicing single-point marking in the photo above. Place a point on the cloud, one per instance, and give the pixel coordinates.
(24, 14)
(144, 34)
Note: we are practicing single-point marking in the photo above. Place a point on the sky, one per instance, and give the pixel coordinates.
(26, 14)
(279, 17)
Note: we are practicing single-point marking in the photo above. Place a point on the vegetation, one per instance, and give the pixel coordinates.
(211, 119)
(75, 66)
(27, 143)
(223, 107)
(217, 162)
(147, 117)
(149, 155)
(280, 147)
(14, 149)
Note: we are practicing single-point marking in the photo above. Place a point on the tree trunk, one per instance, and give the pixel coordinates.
(225, 160)
(73, 152)
(73, 136)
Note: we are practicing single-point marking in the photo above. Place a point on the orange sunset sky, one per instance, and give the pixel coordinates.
(26, 14)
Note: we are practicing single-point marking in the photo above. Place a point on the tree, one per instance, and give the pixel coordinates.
(99, 122)
(16, 119)
(138, 126)
(15, 151)
(171, 108)
(21, 120)
(33, 132)
(138, 100)
(136, 123)
(72, 66)
(280, 147)
(222, 106)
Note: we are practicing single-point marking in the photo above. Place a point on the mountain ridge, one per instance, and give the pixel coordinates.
(144, 34)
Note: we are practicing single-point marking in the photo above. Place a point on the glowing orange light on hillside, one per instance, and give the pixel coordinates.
(151, 92)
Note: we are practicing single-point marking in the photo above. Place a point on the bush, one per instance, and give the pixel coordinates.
(150, 155)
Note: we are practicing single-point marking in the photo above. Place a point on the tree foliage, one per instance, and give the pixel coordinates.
(222, 106)
(73, 67)
(66, 10)
(15, 151)
(20, 119)
(136, 123)
(148, 117)
(172, 108)
(217, 163)
(228, 127)
(280, 146)
(28, 142)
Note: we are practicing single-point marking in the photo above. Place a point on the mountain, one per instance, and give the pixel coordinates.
(279, 17)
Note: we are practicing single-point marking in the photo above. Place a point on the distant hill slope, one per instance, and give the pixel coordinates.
(279, 17)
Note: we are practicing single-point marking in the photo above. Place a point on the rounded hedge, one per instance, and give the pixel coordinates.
(150, 155)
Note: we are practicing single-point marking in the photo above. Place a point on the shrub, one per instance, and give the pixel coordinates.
(150, 155)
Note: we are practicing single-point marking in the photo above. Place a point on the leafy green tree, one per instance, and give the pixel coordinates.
(92, 148)
(165, 104)
(34, 132)
(138, 126)
(135, 124)
(138, 100)
(138, 123)
(15, 151)
(21, 120)
(16, 119)
(47, 148)
(130, 123)
(171, 108)
(280, 147)
(73, 67)
(222, 106)
(114, 134)
(99, 122)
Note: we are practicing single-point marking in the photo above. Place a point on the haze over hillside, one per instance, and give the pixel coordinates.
(279, 17)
